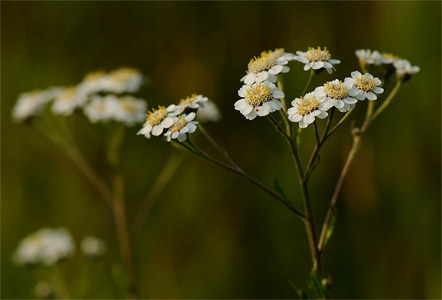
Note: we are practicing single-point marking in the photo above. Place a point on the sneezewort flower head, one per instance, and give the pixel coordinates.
(93, 82)
(192, 102)
(305, 109)
(182, 125)
(101, 108)
(130, 110)
(157, 121)
(93, 247)
(46, 246)
(30, 104)
(208, 112)
(266, 66)
(68, 100)
(364, 86)
(388, 58)
(316, 59)
(259, 99)
(124, 80)
(404, 69)
(366, 56)
(337, 95)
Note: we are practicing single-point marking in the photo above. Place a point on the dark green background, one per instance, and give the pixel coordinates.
(211, 234)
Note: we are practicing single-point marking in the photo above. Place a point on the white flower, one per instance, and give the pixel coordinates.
(404, 68)
(316, 59)
(369, 57)
(192, 102)
(157, 121)
(93, 247)
(337, 95)
(259, 99)
(267, 66)
(208, 112)
(93, 83)
(388, 58)
(364, 86)
(181, 126)
(30, 104)
(130, 110)
(67, 101)
(101, 109)
(307, 108)
(46, 246)
(123, 80)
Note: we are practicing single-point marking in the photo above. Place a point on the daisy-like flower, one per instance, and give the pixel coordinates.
(67, 101)
(307, 108)
(192, 102)
(366, 56)
(123, 80)
(93, 247)
(101, 108)
(30, 104)
(182, 125)
(208, 112)
(388, 58)
(46, 246)
(259, 99)
(93, 82)
(158, 120)
(364, 86)
(337, 95)
(130, 110)
(404, 69)
(267, 66)
(316, 59)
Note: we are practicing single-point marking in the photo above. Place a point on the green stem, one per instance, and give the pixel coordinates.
(387, 101)
(310, 78)
(283, 112)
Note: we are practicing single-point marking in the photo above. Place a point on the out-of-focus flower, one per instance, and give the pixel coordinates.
(366, 56)
(404, 69)
(181, 126)
(364, 86)
(130, 110)
(101, 109)
(93, 82)
(259, 99)
(192, 102)
(157, 121)
(388, 58)
(93, 247)
(43, 290)
(46, 246)
(208, 112)
(267, 66)
(67, 101)
(124, 80)
(307, 108)
(337, 95)
(316, 59)
(31, 103)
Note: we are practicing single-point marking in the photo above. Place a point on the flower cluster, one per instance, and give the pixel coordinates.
(177, 120)
(101, 95)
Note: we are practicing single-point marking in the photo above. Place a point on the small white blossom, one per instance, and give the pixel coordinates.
(208, 112)
(267, 66)
(93, 247)
(366, 56)
(101, 109)
(364, 86)
(192, 102)
(259, 99)
(307, 108)
(158, 120)
(93, 82)
(316, 59)
(67, 101)
(181, 126)
(404, 68)
(130, 110)
(337, 95)
(124, 80)
(388, 58)
(46, 246)
(31, 103)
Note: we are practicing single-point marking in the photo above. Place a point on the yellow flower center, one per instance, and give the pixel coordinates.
(155, 117)
(307, 105)
(318, 54)
(128, 105)
(265, 61)
(94, 75)
(178, 125)
(335, 90)
(188, 100)
(67, 95)
(365, 84)
(258, 94)
(389, 55)
(123, 74)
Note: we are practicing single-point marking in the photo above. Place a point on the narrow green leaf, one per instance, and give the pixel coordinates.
(330, 229)
(280, 191)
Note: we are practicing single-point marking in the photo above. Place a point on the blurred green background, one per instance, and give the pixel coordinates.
(211, 234)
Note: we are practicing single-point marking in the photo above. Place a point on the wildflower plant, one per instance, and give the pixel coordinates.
(262, 95)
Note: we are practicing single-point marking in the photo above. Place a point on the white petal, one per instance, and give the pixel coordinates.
(252, 115)
(192, 127)
(277, 94)
(350, 100)
(167, 122)
(295, 117)
(339, 104)
(182, 137)
(378, 90)
(157, 130)
(322, 115)
(275, 69)
(371, 96)
(175, 134)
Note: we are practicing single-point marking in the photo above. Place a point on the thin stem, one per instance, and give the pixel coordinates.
(318, 141)
(283, 111)
(339, 123)
(240, 172)
(310, 78)
(387, 101)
